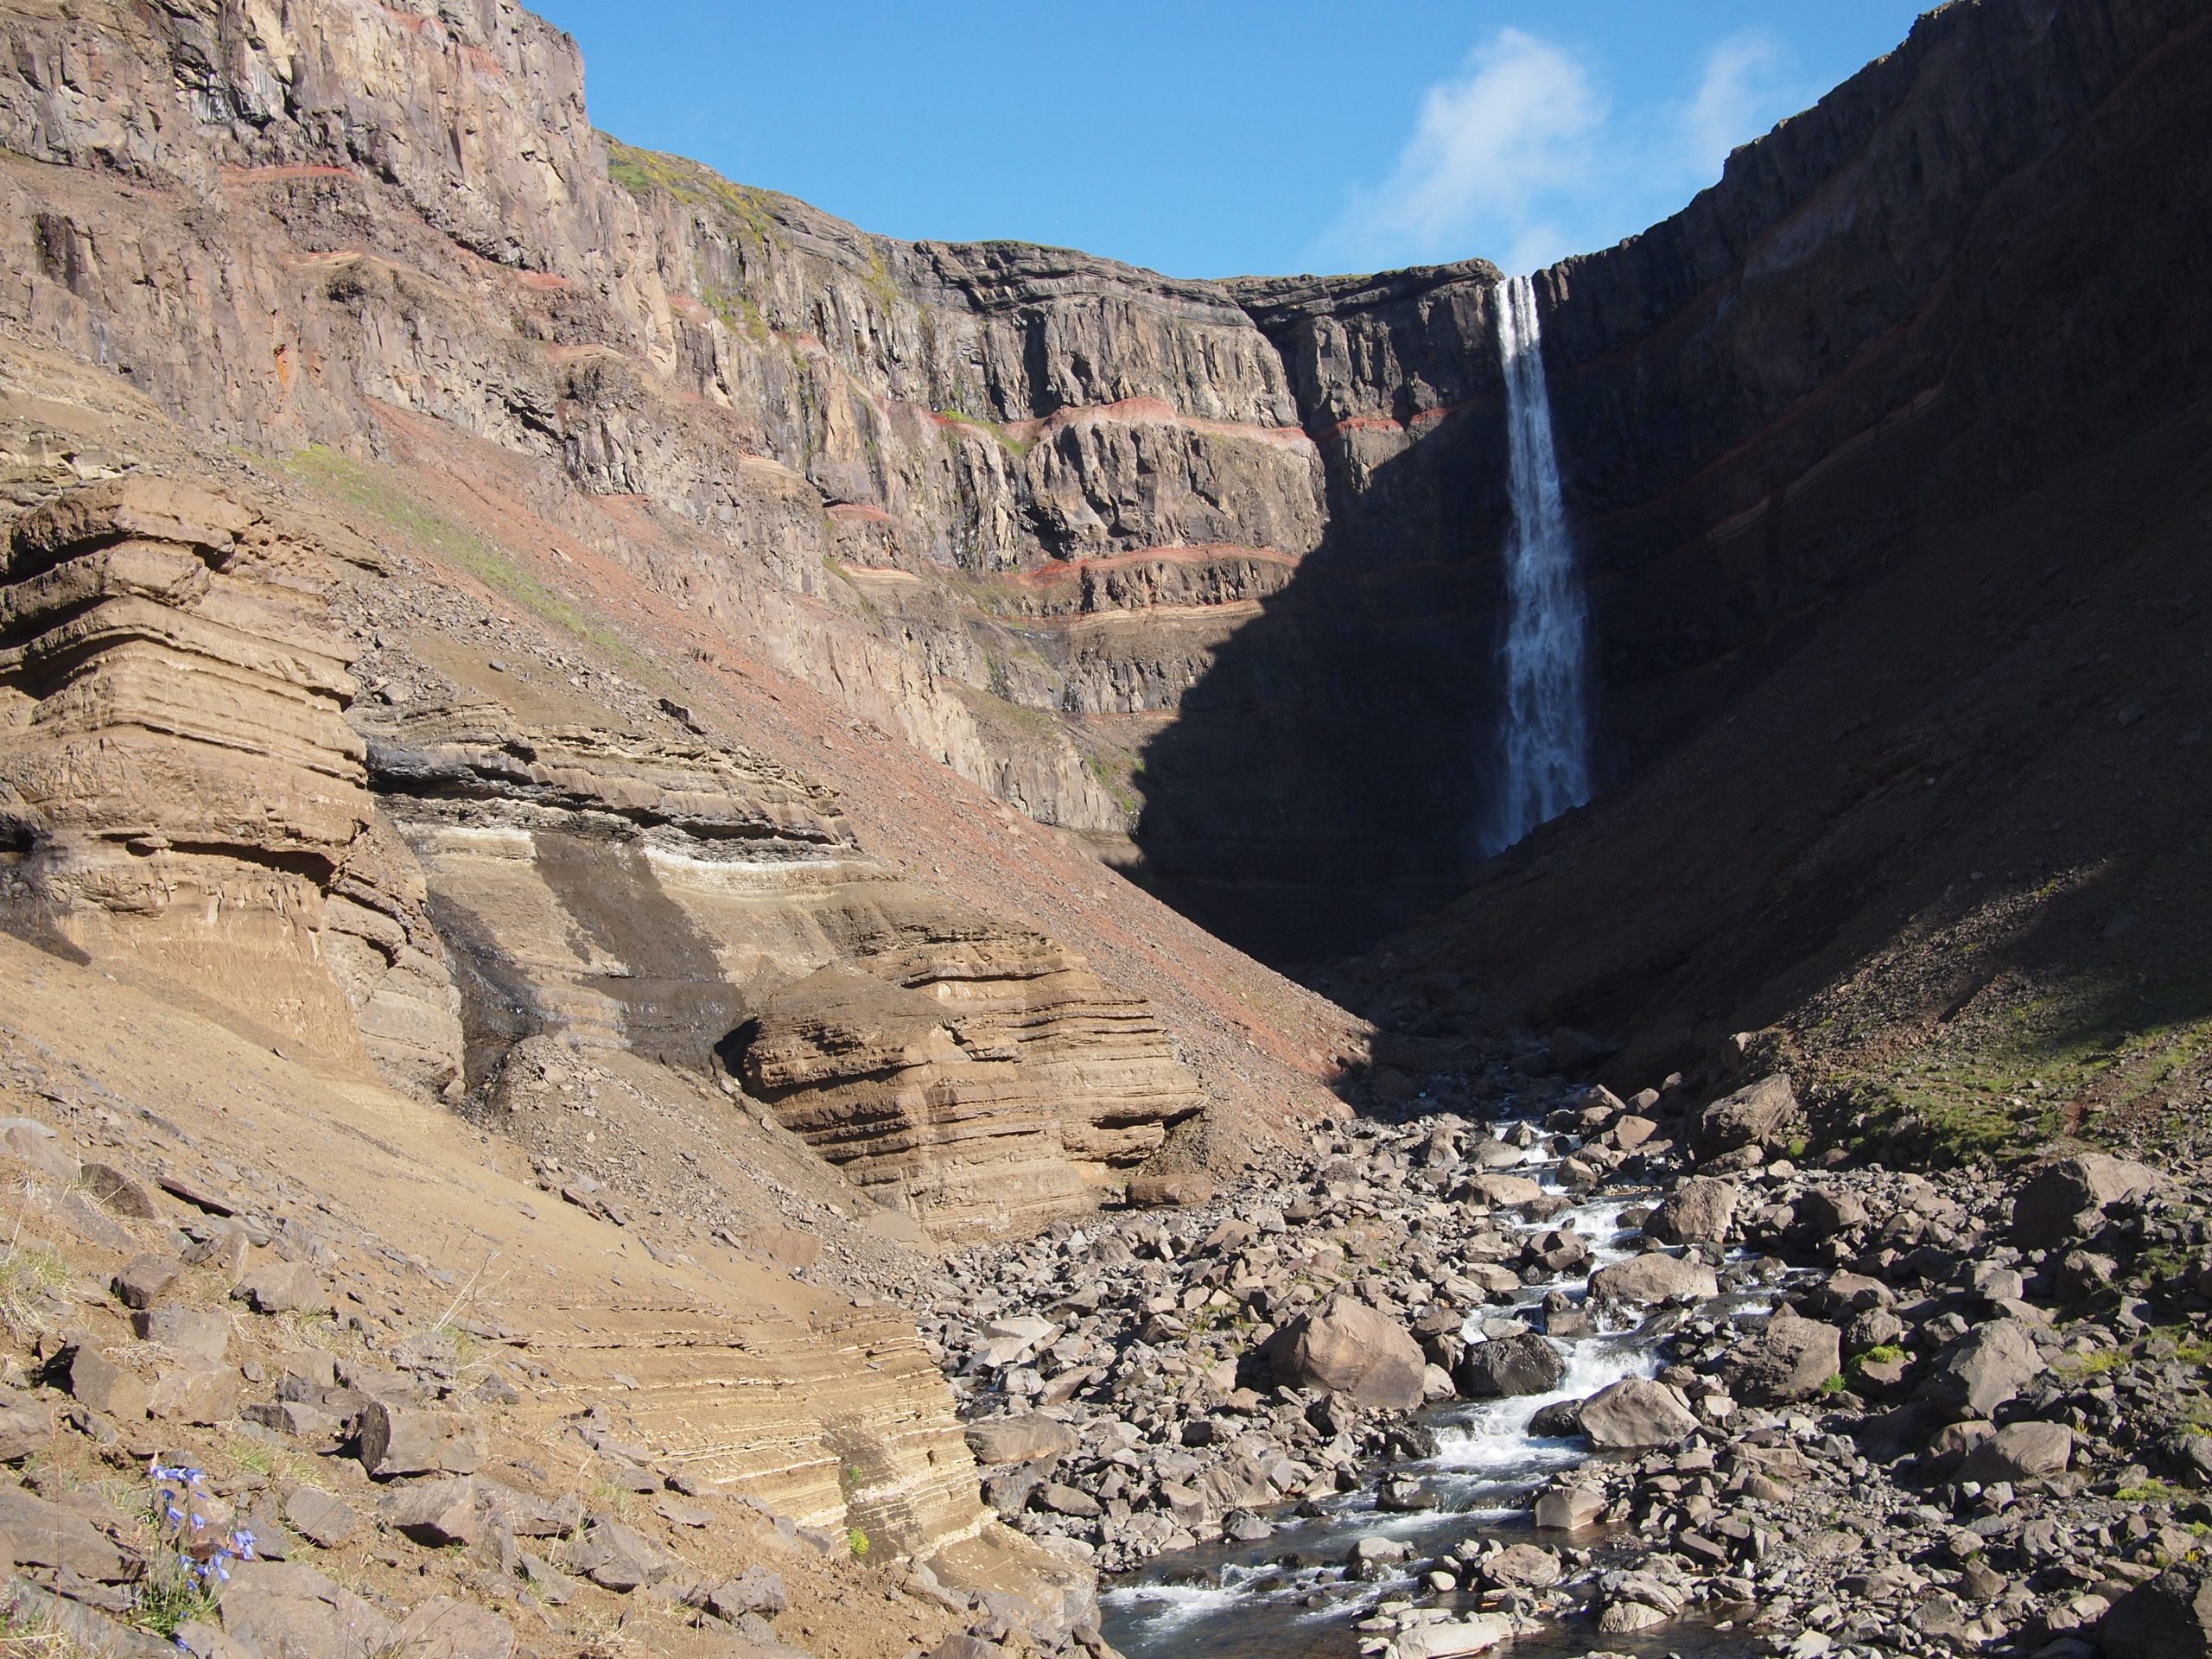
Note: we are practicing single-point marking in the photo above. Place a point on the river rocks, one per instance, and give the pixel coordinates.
(1506, 1191)
(1654, 1277)
(1764, 1114)
(1790, 1360)
(2068, 1199)
(1569, 1509)
(1349, 1349)
(1523, 1567)
(1452, 1639)
(1635, 1414)
(1697, 1211)
(1982, 1370)
(1510, 1365)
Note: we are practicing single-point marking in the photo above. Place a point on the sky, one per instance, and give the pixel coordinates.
(1225, 137)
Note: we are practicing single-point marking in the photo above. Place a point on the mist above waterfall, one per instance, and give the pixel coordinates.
(1544, 741)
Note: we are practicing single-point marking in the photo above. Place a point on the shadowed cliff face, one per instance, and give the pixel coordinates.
(1973, 260)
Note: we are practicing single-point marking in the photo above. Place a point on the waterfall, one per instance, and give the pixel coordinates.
(1545, 736)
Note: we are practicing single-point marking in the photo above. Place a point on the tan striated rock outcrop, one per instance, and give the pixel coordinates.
(990, 1085)
(696, 903)
(178, 789)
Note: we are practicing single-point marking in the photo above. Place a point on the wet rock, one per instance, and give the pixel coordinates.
(1510, 1365)
(1696, 1212)
(1349, 1349)
(1789, 1360)
(1452, 1639)
(1637, 1414)
(1569, 1509)
(1523, 1567)
(2066, 1200)
(1654, 1277)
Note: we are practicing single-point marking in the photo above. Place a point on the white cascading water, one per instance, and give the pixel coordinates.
(1546, 738)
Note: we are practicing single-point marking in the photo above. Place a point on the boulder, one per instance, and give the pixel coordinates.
(1347, 1348)
(618, 1558)
(1169, 1192)
(435, 1512)
(1789, 1360)
(756, 1590)
(1764, 1114)
(1982, 1370)
(195, 1391)
(1569, 1509)
(1635, 1414)
(404, 1440)
(280, 1607)
(1654, 1277)
(2019, 1451)
(140, 1281)
(120, 1192)
(1523, 1567)
(324, 1521)
(2066, 1200)
(1504, 1192)
(26, 1426)
(106, 1386)
(442, 1628)
(201, 1333)
(1823, 1212)
(1026, 1439)
(2168, 1617)
(1509, 1365)
(283, 1287)
(1454, 1638)
(1696, 1212)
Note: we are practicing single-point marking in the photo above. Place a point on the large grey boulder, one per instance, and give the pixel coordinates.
(2019, 1451)
(1509, 1365)
(2068, 1199)
(1348, 1348)
(1654, 1277)
(2169, 1617)
(1635, 1414)
(277, 1607)
(1026, 1439)
(1982, 1370)
(1762, 1114)
(1696, 1212)
(1787, 1361)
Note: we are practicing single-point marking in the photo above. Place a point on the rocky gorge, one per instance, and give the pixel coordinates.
(638, 828)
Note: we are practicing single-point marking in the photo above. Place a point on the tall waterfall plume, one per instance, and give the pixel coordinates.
(1546, 738)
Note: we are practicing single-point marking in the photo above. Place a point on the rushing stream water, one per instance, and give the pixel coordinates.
(1289, 1597)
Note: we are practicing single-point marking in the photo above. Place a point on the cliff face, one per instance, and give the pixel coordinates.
(1025, 507)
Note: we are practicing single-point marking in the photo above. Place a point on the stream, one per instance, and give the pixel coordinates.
(1289, 1597)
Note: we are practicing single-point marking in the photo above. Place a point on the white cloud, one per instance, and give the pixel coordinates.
(1745, 88)
(1519, 156)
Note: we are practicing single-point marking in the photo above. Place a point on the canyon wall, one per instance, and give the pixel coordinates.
(1204, 571)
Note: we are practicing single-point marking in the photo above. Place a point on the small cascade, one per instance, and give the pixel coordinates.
(1545, 736)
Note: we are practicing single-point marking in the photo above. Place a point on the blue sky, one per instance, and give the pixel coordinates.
(1214, 137)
